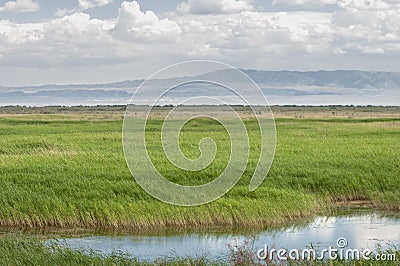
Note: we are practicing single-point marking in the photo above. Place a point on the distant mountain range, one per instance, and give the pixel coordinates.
(67, 93)
(122, 84)
(338, 78)
(281, 87)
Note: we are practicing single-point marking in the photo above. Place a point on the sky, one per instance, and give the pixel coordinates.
(98, 41)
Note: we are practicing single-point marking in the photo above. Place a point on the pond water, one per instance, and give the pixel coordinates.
(360, 231)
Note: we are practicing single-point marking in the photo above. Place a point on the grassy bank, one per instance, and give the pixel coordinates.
(68, 170)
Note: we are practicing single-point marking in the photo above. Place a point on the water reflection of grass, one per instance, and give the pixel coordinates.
(31, 251)
(68, 171)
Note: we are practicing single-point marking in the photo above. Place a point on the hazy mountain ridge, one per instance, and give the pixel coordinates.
(322, 78)
(121, 84)
(68, 93)
(337, 78)
(281, 87)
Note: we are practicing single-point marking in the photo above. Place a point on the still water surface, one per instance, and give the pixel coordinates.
(360, 231)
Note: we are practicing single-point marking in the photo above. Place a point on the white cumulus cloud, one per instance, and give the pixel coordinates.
(305, 3)
(214, 7)
(350, 37)
(63, 12)
(133, 24)
(369, 4)
(345, 4)
(20, 6)
(86, 4)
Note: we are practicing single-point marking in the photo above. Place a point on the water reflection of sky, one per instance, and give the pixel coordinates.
(362, 231)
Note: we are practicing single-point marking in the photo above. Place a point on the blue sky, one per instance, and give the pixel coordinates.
(94, 41)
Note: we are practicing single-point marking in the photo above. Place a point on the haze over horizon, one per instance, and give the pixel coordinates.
(280, 87)
(141, 79)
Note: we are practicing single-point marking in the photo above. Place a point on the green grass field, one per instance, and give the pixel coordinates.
(68, 170)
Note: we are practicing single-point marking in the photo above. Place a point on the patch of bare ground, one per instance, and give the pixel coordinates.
(278, 111)
(366, 204)
(389, 125)
(354, 204)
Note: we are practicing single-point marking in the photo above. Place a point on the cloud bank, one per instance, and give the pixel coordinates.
(86, 4)
(359, 34)
(20, 6)
(214, 7)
